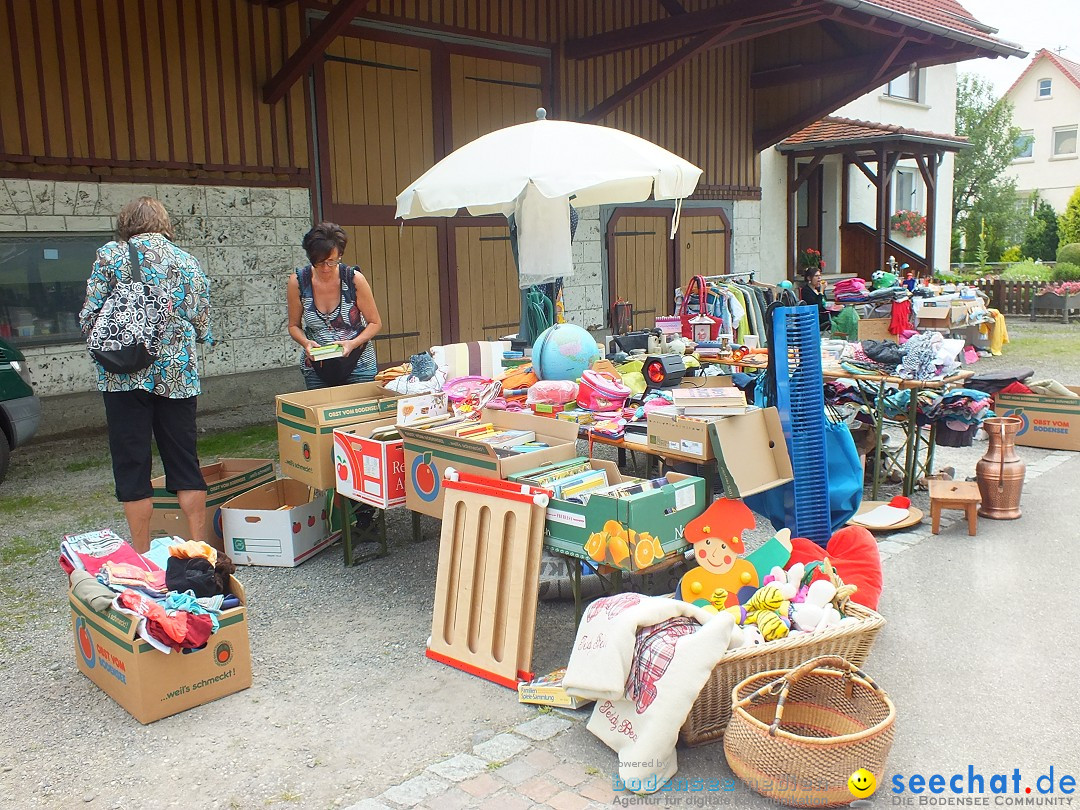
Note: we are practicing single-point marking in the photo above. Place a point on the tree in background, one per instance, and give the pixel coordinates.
(981, 192)
(1041, 236)
(1069, 222)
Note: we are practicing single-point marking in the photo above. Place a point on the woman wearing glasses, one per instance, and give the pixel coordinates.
(331, 302)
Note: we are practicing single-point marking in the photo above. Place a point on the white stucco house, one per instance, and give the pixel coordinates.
(1046, 107)
(907, 125)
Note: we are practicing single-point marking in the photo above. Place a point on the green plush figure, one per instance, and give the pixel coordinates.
(883, 280)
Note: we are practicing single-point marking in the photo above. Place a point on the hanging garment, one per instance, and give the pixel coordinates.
(901, 318)
(999, 334)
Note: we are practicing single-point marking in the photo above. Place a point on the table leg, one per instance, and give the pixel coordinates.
(879, 424)
(622, 457)
(912, 443)
(417, 537)
(575, 586)
(343, 509)
(931, 443)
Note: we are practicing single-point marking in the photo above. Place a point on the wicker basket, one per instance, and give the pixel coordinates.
(798, 736)
(712, 710)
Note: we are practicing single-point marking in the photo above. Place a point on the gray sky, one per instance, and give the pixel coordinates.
(1032, 24)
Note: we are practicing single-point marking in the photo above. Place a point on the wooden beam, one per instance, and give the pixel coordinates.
(806, 170)
(681, 26)
(805, 72)
(652, 75)
(673, 7)
(870, 175)
(931, 211)
(892, 60)
(325, 32)
(882, 208)
(835, 32)
(924, 170)
(792, 215)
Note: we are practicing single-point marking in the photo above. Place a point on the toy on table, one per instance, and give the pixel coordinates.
(717, 539)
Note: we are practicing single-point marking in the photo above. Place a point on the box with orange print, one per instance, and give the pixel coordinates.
(630, 530)
(148, 683)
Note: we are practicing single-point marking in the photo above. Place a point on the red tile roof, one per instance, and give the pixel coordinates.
(832, 128)
(1070, 69)
(957, 21)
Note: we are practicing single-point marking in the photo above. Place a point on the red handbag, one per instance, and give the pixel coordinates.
(685, 315)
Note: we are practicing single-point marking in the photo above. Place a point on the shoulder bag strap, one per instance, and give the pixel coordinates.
(133, 260)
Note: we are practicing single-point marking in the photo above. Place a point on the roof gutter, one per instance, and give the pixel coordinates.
(1000, 47)
(947, 145)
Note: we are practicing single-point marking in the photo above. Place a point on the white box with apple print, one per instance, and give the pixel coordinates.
(281, 523)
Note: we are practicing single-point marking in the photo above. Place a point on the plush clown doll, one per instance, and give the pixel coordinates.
(723, 578)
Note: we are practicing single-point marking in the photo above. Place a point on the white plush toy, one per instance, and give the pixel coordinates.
(787, 581)
(816, 612)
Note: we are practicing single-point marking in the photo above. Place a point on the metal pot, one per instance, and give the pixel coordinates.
(1000, 472)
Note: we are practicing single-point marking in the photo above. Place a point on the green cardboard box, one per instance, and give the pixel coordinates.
(662, 513)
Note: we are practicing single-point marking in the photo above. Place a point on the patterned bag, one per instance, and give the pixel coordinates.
(127, 334)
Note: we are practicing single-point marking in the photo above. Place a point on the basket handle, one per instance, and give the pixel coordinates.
(782, 685)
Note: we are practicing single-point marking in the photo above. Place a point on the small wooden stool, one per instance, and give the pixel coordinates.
(954, 495)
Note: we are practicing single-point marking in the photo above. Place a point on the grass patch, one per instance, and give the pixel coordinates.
(255, 441)
(86, 464)
(19, 503)
(17, 548)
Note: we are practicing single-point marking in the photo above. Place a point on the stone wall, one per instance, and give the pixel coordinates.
(746, 244)
(246, 239)
(583, 295)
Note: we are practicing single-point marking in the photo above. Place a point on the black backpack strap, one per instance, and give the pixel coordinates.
(348, 281)
(136, 266)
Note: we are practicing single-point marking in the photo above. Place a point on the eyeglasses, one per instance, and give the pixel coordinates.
(328, 262)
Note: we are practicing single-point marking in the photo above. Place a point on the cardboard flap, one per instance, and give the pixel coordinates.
(119, 623)
(751, 453)
(340, 404)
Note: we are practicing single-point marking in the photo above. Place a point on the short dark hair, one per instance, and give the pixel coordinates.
(321, 240)
(809, 272)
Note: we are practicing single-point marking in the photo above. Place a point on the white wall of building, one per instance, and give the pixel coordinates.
(1055, 177)
(935, 112)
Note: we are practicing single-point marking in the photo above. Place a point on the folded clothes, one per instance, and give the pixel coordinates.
(87, 589)
(119, 576)
(192, 549)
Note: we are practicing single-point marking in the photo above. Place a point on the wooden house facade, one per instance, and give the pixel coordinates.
(254, 118)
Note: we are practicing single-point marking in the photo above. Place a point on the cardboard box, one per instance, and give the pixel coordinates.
(148, 683)
(369, 470)
(685, 436)
(713, 381)
(753, 454)
(306, 422)
(1050, 422)
(281, 523)
(226, 479)
(662, 512)
(428, 454)
(875, 329)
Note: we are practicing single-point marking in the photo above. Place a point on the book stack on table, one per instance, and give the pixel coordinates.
(709, 401)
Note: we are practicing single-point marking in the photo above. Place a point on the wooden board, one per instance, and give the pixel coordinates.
(641, 267)
(486, 589)
(915, 515)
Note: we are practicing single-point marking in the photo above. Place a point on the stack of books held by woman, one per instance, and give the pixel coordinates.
(709, 401)
(327, 352)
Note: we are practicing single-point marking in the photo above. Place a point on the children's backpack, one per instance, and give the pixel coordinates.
(127, 334)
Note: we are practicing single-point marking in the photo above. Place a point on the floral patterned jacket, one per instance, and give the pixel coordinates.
(175, 373)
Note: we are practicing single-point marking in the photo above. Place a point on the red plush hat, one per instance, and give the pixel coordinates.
(725, 520)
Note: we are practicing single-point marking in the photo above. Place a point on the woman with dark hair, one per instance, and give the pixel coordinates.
(813, 293)
(331, 302)
(160, 400)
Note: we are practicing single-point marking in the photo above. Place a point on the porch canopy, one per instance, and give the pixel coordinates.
(862, 143)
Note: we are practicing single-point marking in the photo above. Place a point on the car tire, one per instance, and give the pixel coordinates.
(5, 455)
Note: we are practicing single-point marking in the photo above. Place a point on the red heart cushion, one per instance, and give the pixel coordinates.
(853, 552)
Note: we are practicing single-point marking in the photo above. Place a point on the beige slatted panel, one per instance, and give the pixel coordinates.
(488, 94)
(703, 247)
(385, 253)
(489, 302)
(641, 267)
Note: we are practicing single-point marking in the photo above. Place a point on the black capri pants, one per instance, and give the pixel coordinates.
(132, 417)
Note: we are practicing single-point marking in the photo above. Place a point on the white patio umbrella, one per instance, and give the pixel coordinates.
(535, 170)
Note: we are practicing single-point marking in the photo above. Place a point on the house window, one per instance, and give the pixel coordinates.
(906, 86)
(43, 285)
(1065, 141)
(1044, 88)
(1024, 145)
(904, 191)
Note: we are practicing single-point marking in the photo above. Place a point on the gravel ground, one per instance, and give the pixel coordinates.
(343, 702)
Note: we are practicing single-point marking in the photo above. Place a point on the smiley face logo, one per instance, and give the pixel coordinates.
(862, 783)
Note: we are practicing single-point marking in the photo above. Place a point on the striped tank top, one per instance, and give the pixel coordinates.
(344, 323)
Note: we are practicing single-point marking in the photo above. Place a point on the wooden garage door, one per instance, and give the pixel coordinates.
(489, 301)
(639, 267)
(704, 243)
(371, 158)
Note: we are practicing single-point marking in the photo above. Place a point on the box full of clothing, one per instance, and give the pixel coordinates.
(160, 632)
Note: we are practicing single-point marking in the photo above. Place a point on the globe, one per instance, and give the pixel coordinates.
(563, 352)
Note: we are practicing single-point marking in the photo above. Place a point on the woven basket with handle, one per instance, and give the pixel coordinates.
(711, 711)
(798, 735)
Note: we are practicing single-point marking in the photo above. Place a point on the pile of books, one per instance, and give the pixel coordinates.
(709, 401)
(505, 442)
(327, 352)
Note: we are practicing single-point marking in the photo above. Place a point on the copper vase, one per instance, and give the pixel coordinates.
(1000, 472)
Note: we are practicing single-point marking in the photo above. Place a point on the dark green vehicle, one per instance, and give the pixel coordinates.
(20, 410)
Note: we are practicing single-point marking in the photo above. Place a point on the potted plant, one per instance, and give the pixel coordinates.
(1060, 297)
(811, 259)
(908, 223)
